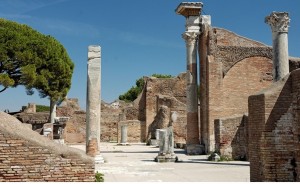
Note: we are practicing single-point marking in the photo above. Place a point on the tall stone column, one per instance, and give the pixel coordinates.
(279, 22)
(93, 102)
(191, 11)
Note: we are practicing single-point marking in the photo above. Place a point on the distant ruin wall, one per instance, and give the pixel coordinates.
(172, 87)
(109, 126)
(26, 156)
(74, 131)
(231, 136)
(135, 131)
(274, 129)
(179, 127)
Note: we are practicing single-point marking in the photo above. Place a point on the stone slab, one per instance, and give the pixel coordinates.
(135, 163)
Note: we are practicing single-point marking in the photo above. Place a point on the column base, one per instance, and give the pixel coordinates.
(166, 158)
(195, 149)
(99, 159)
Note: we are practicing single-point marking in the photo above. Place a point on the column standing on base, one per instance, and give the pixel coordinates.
(93, 105)
(279, 22)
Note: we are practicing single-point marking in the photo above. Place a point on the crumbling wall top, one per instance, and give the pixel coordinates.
(12, 126)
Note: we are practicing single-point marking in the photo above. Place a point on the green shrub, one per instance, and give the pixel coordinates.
(99, 177)
(134, 91)
(42, 108)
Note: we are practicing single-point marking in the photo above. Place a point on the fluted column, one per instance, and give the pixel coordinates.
(279, 22)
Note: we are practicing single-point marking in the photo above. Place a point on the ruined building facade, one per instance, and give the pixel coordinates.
(232, 68)
(141, 116)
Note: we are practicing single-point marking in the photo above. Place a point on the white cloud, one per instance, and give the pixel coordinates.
(19, 7)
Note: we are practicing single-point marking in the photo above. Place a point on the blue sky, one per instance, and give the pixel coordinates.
(137, 37)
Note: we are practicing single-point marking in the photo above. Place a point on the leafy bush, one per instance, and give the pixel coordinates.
(161, 76)
(134, 91)
(99, 177)
(42, 108)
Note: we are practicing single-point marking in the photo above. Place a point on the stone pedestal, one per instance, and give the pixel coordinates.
(192, 13)
(93, 103)
(195, 149)
(157, 137)
(279, 22)
(166, 146)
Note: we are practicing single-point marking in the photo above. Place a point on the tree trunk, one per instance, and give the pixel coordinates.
(52, 110)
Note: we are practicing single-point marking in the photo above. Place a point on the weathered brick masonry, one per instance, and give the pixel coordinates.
(274, 148)
(232, 136)
(27, 156)
(231, 68)
(170, 92)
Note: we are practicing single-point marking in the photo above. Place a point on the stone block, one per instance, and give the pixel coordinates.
(195, 149)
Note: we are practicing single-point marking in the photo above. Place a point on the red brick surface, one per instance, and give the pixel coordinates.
(228, 76)
(174, 90)
(27, 156)
(274, 131)
(232, 136)
(20, 160)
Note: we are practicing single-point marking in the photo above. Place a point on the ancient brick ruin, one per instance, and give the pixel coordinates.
(274, 131)
(232, 68)
(26, 156)
(140, 115)
(274, 115)
(248, 109)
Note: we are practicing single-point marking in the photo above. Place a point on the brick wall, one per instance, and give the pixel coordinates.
(274, 131)
(231, 68)
(179, 127)
(26, 156)
(244, 79)
(172, 87)
(109, 126)
(232, 136)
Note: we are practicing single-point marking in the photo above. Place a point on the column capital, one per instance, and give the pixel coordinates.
(189, 9)
(279, 21)
(190, 37)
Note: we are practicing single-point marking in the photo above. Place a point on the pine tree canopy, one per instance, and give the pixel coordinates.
(34, 60)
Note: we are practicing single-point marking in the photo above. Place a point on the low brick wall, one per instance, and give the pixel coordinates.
(135, 130)
(231, 136)
(26, 156)
(274, 131)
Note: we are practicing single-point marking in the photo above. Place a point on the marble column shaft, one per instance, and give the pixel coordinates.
(279, 22)
(123, 134)
(93, 105)
(192, 98)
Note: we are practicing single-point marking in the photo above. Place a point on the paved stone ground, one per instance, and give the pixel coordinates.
(135, 163)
